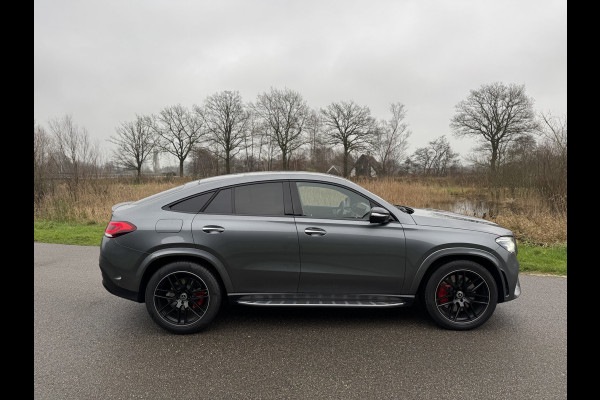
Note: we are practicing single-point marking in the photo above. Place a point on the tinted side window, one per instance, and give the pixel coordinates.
(259, 199)
(320, 200)
(221, 204)
(192, 205)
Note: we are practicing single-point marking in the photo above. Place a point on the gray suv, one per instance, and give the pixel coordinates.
(301, 239)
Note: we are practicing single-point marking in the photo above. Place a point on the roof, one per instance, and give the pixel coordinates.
(266, 175)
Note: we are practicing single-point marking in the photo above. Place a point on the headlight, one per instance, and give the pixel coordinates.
(508, 242)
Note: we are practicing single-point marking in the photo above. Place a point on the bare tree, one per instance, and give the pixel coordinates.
(92, 156)
(42, 163)
(553, 130)
(69, 139)
(226, 120)
(252, 144)
(76, 155)
(390, 140)
(284, 113)
(349, 125)
(42, 147)
(551, 160)
(179, 131)
(136, 142)
(435, 159)
(517, 156)
(267, 146)
(495, 114)
(204, 163)
(316, 142)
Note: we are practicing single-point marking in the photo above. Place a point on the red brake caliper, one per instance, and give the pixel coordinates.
(200, 301)
(443, 291)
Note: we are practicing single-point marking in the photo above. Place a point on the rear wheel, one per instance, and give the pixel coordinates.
(183, 297)
(461, 295)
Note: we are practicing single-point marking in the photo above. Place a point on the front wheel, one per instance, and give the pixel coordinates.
(461, 295)
(183, 297)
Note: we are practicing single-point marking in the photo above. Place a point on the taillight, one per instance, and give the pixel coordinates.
(118, 228)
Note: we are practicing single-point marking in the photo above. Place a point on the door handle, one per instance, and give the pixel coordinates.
(213, 229)
(315, 231)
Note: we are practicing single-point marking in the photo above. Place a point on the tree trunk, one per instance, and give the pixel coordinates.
(181, 167)
(227, 170)
(345, 163)
(284, 160)
(494, 176)
(494, 159)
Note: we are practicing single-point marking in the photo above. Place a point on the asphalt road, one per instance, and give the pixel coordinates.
(90, 344)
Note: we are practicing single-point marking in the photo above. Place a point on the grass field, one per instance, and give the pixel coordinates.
(68, 233)
(544, 260)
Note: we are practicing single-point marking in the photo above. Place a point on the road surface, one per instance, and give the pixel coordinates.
(90, 344)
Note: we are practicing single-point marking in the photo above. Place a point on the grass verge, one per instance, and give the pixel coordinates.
(532, 258)
(68, 233)
(543, 260)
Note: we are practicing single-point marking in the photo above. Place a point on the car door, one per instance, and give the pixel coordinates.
(251, 229)
(340, 251)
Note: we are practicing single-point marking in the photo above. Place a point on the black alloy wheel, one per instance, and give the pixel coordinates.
(461, 295)
(183, 297)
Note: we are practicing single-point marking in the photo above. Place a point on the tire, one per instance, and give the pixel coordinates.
(183, 297)
(461, 295)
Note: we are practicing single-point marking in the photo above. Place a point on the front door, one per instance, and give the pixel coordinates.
(340, 251)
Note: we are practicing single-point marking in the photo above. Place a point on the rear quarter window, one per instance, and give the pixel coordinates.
(192, 204)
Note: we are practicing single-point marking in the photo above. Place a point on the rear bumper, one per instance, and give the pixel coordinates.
(117, 290)
(118, 265)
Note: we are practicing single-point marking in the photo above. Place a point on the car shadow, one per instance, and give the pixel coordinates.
(236, 318)
(274, 317)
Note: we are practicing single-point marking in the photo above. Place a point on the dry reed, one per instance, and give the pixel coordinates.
(94, 198)
(522, 211)
(410, 193)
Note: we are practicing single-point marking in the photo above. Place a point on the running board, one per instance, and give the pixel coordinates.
(321, 299)
(322, 303)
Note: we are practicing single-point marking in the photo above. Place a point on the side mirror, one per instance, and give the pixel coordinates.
(379, 215)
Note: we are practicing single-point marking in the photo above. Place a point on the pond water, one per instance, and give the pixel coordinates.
(470, 207)
(473, 208)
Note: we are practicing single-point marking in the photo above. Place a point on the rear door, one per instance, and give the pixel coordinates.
(251, 229)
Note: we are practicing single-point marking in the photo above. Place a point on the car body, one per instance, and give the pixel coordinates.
(301, 239)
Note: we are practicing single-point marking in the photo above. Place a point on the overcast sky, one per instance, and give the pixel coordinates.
(105, 61)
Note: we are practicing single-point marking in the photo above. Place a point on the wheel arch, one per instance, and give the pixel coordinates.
(162, 257)
(441, 257)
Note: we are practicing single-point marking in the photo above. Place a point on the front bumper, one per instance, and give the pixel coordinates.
(517, 292)
(510, 276)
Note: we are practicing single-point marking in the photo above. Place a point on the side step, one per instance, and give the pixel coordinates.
(321, 299)
(322, 303)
